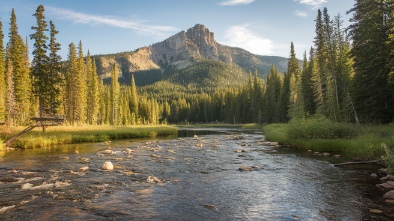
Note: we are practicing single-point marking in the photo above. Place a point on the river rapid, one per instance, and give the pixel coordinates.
(186, 178)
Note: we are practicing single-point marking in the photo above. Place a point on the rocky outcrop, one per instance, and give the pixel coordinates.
(196, 43)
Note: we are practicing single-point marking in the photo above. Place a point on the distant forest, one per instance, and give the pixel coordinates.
(347, 76)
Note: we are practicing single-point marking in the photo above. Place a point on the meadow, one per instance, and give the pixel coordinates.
(78, 134)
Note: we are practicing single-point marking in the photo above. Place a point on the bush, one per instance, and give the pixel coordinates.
(389, 158)
(320, 128)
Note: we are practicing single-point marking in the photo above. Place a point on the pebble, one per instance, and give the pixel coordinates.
(375, 211)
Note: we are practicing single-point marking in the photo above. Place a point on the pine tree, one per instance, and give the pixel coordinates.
(56, 78)
(71, 100)
(133, 99)
(20, 73)
(307, 82)
(272, 96)
(2, 76)
(11, 108)
(92, 91)
(296, 101)
(114, 97)
(39, 68)
(81, 85)
(369, 32)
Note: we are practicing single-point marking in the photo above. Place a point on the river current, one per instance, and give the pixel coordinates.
(188, 178)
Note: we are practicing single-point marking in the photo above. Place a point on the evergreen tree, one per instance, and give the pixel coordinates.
(369, 32)
(307, 82)
(20, 73)
(11, 108)
(133, 99)
(56, 78)
(2, 76)
(39, 67)
(272, 96)
(71, 99)
(296, 101)
(92, 91)
(81, 86)
(114, 97)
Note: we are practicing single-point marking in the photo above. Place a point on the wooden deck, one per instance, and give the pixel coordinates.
(48, 121)
(40, 122)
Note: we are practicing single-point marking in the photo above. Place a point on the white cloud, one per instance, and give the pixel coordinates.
(242, 37)
(301, 14)
(135, 25)
(312, 3)
(236, 2)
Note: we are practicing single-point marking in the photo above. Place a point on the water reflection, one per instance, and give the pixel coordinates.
(198, 182)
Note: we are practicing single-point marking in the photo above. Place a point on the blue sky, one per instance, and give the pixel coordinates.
(265, 27)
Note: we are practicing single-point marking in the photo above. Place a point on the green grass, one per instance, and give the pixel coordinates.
(245, 126)
(69, 134)
(364, 142)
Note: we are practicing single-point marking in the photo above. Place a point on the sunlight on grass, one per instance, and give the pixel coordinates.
(79, 134)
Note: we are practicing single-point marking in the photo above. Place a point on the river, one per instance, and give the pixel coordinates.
(198, 179)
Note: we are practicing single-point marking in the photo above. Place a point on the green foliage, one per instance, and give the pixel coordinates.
(365, 143)
(389, 157)
(320, 127)
(371, 22)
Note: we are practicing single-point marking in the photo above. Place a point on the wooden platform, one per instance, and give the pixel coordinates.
(48, 121)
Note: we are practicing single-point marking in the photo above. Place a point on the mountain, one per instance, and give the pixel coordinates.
(179, 53)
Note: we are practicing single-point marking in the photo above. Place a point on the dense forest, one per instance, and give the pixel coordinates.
(346, 76)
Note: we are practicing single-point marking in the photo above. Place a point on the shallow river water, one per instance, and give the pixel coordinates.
(199, 180)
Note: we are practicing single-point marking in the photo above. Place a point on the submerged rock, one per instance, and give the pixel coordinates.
(107, 166)
(245, 168)
(374, 176)
(153, 179)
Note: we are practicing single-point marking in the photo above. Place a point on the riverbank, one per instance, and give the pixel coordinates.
(79, 134)
(366, 142)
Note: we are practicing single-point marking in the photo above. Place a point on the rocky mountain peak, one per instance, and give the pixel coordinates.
(197, 42)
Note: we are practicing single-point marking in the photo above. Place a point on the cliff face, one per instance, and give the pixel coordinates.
(197, 42)
(183, 50)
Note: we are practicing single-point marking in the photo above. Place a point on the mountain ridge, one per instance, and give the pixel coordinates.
(180, 51)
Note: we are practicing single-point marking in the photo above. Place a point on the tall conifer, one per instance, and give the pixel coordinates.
(2, 76)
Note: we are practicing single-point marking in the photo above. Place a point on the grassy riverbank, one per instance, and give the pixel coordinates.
(69, 134)
(319, 134)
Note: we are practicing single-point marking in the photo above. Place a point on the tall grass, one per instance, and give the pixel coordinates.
(320, 134)
(79, 134)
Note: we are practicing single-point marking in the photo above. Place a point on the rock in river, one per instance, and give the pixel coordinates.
(389, 195)
(245, 168)
(107, 166)
(85, 168)
(153, 179)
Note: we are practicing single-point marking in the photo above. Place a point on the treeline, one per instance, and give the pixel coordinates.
(346, 76)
